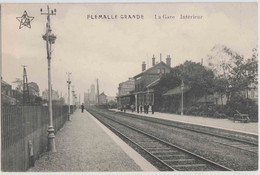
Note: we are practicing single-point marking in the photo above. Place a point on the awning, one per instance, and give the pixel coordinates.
(177, 90)
(153, 83)
(127, 95)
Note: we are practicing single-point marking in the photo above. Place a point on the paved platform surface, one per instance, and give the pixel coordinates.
(251, 128)
(83, 144)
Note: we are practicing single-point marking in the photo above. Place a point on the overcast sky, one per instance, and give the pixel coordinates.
(113, 50)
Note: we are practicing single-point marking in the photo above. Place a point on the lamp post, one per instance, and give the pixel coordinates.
(50, 39)
(182, 87)
(69, 82)
(229, 92)
(247, 102)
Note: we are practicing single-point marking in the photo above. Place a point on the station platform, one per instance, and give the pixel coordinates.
(84, 144)
(226, 124)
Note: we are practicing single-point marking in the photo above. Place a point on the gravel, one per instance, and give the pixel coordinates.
(205, 146)
(83, 146)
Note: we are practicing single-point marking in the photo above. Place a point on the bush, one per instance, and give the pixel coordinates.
(239, 103)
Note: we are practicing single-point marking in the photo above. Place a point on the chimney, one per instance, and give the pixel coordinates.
(153, 60)
(168, 60)
(143, 66)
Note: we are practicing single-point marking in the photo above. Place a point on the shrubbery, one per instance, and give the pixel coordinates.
(235, 105)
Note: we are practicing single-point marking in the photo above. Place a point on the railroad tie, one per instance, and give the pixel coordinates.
(188, 165)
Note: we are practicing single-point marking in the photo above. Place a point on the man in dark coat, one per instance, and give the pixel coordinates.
(152, 109)
(82, 108)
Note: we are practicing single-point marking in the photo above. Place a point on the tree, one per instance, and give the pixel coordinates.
(195, 76)
(220, 61)
(244, 72)
(33, 89)
(234, 73)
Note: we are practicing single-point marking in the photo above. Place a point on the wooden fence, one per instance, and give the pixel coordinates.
(23, 124)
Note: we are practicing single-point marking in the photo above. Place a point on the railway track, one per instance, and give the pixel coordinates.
(164, 155)
(227, 141)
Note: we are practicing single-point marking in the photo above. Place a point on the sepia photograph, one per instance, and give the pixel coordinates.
(129, 87)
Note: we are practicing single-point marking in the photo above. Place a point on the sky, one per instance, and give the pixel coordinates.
(113, 50)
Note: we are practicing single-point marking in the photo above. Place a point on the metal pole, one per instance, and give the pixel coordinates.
(50, 39)
(182, 86)
(69, 82)
(247, 105)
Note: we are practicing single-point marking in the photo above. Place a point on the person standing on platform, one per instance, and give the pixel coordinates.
(141, 108)
(137, 108)
(124, 108)
(147, 108)
(82, 108)
(152, 109)
(132, 107)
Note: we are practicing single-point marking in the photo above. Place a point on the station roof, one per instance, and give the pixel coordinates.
(153, 83)
(177, 90)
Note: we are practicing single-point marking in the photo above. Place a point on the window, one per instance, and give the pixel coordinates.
(163, 70)
(158, 70)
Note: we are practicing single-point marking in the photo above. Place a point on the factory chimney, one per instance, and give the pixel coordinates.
(168, 60)
(153, 60)
(143, 66)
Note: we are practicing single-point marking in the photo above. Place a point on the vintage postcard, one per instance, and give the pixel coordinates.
(129, 87)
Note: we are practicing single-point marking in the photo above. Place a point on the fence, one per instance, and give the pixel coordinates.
(23, 124)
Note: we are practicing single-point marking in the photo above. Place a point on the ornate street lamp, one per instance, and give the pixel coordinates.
(69, 82)
(50, 39)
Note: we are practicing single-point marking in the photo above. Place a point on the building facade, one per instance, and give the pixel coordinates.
(6, 94)
(146, 80)
(126, 87)
(102, 98)
(143, 84)
(92, 96)
(124, 92)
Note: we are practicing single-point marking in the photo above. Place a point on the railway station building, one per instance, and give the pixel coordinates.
(148, 79)
(142, 84)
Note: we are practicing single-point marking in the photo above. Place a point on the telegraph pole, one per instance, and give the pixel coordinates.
(26, 97)
(73, 95)
(69, 82)
(97, 93)
(182, 87)
(79, 99)
(50, 39)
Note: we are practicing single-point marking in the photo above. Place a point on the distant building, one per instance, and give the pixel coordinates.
(126, 87)
(86, 98)
(6, 94)
(124, 90)
(6, 88)
(102, 98)
(92, 94)
(111, 98)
